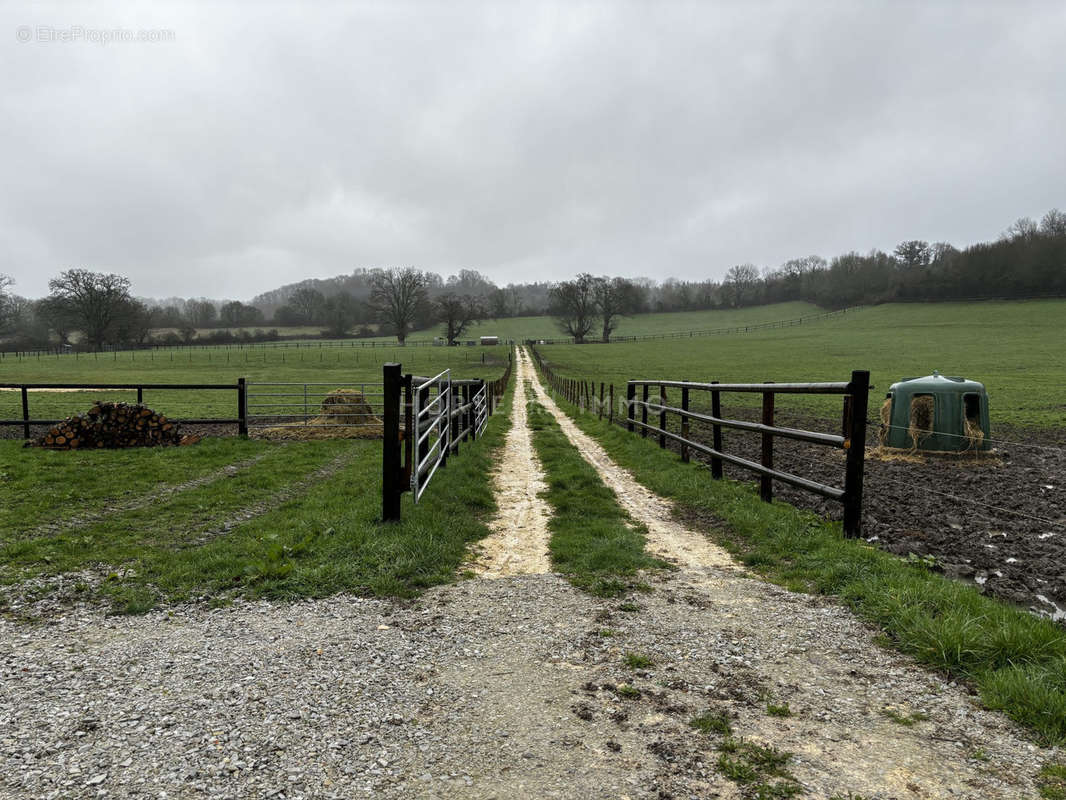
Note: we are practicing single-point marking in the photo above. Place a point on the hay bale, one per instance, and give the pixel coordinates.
(921, 423)
(975, 436)
(886, 420)
(346, 414)
(347, 407)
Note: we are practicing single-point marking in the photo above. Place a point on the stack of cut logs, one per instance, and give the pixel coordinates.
(113, 425)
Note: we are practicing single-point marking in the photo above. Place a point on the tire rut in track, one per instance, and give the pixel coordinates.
(666, 537)
(144, 500)
(282, 496)
(519, 541)
(823, 660)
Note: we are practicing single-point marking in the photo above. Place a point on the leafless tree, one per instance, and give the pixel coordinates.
(615, 297)
(457, 313)
(397, 298)
(7, 303)
(573, 304)
(94, 300)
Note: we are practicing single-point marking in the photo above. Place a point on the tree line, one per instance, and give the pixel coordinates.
(1028, 259)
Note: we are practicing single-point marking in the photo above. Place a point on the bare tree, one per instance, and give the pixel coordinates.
(913, 254)
(615, 297)
(201, 313)
(309, 304)
(457, 313)
(740, 285)
(397, 298)
(1053, 223)
(7, 303)
(573, 304)
(93, 299)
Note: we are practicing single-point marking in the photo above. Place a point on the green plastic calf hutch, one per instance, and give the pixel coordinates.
(937, 413)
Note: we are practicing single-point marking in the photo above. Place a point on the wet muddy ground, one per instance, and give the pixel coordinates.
(998, 520)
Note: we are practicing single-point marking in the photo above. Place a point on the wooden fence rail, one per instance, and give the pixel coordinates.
(240, 387)
(652, 402)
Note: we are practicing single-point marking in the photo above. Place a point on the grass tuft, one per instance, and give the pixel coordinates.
(594, 542)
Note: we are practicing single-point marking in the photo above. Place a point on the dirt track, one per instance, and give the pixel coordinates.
(519, 544)
(831, 670)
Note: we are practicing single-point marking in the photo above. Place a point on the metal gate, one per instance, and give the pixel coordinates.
(431, 428)
(481, 409)
(314, 405)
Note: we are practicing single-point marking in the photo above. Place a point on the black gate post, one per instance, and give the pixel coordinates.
(390, 450)
(242, 407)
(25, 413)
(859, 393)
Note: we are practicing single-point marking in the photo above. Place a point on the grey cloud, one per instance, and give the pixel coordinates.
(274, 142)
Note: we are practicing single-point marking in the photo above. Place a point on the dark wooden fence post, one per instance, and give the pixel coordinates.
(644, 412)
(856, 450)
(610, 406)
(631, 393)
(716, 432)
(390, 451)
(140, 395)
(600, 409)
(242, 406)
(662, 416)
(684, 423)
(25, 413)
(766, 483)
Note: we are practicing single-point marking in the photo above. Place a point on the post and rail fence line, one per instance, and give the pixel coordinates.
(425, 419)
(240, 388)
(852, 439)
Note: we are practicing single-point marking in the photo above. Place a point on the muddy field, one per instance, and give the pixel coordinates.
(999, 520)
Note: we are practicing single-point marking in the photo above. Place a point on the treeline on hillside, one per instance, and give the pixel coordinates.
(1029, 259)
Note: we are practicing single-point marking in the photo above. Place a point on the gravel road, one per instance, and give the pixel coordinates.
(513, 687)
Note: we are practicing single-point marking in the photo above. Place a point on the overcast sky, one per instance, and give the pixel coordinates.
(263, 143)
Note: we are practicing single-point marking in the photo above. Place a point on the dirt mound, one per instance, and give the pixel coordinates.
(113, 425)
(344, 414)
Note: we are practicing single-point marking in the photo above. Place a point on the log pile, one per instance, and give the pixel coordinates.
(113, 425)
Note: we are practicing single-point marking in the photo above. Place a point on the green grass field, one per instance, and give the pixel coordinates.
(522, 328)
(342, 366)
(1014, 348)
(135, 528)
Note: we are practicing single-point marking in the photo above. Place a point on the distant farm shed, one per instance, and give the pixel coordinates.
(487, 340)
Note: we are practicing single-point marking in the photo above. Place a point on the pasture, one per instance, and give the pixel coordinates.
(306, 363)
(1014, 348)
(133, 528)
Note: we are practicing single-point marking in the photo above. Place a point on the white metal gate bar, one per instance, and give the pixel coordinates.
(430, 422)
(481, 410)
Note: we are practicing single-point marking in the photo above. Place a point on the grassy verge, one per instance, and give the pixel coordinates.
(1016, 661)
(594, 541)
(42, 486)
(324, 539)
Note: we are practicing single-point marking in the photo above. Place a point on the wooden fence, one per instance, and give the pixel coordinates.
(240, 388)
(653, 404)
